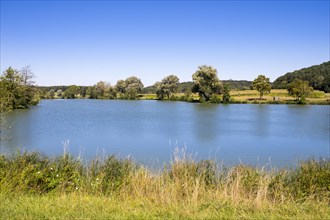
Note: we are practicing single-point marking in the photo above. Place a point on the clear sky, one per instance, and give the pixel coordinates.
(83, 42)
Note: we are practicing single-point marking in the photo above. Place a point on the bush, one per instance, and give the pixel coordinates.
(114, 173)
(311, 178)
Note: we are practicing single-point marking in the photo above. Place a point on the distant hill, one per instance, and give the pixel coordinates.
(186, 86)
(182, 88)
(238, 84)
(318, 77)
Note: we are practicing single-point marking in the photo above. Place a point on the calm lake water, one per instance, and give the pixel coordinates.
(149, 131)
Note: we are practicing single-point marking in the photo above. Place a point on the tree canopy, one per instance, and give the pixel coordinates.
(262, 85)
(101, 90)
(167, 86)
(129, 88)
(206, 82)
(300, 90)
(71, 92)
(17, 90)
(226, 93)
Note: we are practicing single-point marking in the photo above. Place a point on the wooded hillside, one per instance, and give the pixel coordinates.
(318, 77)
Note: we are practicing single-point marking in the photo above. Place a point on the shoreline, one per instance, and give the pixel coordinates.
(256, 101)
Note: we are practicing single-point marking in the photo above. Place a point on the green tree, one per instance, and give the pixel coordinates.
(10, 93)
(71, 92)
(206, 82)
(120, 87)
(82, 91)
(262, 85)
(16, 92)
(226, 93)
(300, 90)
(59, 93)
(130, 88)
(6, 98)
(51, 93)
(167, 86)
(134, 86)
(101, 90)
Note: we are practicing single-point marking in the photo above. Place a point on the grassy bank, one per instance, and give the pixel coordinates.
(34, 186)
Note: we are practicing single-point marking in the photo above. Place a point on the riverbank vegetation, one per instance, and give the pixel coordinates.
(35, 186)
(17, 90)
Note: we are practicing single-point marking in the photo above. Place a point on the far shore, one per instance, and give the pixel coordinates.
(276, 96)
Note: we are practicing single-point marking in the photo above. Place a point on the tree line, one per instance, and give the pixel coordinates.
(17, 88)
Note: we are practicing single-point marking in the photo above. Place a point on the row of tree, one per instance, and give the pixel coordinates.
(297, 88)
(205, 82)
(17, 89)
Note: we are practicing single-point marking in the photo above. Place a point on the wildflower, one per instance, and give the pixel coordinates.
(38, 172)
(77, 188)
(56, 175)
(97, 179)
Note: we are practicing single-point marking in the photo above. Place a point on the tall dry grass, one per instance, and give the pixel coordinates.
(196, 185)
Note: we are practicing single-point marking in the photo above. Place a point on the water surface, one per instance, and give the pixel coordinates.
(149, 131)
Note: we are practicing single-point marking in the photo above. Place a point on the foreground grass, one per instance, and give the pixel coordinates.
(80, 206)
(36, 187)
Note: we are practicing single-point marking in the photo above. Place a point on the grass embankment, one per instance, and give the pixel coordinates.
(34, 187)
(252, 97)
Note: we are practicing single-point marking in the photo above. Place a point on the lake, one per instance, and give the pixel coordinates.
(149, 131)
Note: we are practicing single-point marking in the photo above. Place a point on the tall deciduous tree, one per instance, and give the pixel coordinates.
(130, 88)
(300, 90)
(51, 93)
(262, 85)
(167, 86)
(16, 92)
(102, 90)
(71, 92)
(59, 93)
(27, 75)
(226, 93)
(206, 82)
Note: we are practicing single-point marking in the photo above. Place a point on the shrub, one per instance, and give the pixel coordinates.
(310, 179)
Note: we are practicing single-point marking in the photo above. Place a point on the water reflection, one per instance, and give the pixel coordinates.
(261, 121)
(205, 121)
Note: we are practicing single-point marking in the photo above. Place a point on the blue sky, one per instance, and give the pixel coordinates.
(83, 42)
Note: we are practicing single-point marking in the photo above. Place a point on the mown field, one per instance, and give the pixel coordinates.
(38, 187)
(282, 94)
(252, 96)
